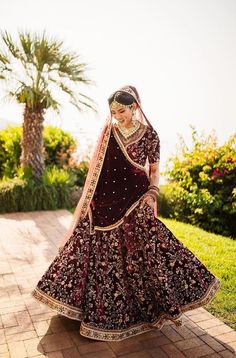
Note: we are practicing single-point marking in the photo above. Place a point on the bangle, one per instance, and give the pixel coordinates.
(154, 187)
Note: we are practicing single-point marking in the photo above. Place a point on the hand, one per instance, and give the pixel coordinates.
(148, 199)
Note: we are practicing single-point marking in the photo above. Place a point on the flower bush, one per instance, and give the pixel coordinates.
(201, 185)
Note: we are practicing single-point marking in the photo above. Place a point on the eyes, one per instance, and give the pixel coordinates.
(121, 111)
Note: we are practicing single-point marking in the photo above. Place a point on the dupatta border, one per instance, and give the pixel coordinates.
(119, 222)
(96, 173)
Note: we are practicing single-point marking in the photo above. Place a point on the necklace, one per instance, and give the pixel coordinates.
(128, 132)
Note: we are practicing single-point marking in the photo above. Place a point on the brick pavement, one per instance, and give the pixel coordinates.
(28, 243)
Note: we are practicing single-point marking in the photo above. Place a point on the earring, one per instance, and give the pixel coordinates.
(134, 116)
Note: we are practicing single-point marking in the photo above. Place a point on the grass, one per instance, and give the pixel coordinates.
(218, 254)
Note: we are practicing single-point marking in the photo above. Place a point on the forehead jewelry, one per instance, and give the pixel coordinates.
(116, 105)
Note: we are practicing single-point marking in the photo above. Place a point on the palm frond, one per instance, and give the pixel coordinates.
(4, 66)
(12, 47)
(4, 60)
(27, 44)
(45, 65)
(47, 101)
(80, 104)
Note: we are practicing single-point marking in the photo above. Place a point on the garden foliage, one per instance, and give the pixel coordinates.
(201, 185)
(60, 181)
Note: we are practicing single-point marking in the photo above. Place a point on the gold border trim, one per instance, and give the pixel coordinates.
(119, 335)
(61, 308)
(96, 172)
(119, 222)
(133, 206)
(139, 136)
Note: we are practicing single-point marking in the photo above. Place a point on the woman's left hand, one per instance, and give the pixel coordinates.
(148, 199)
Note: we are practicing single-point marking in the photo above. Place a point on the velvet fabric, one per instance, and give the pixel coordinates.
(121, 183)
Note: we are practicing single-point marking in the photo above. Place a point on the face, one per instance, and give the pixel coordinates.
(123, 115)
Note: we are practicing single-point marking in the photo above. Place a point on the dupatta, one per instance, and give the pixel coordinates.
(121, 198)
(122, 182)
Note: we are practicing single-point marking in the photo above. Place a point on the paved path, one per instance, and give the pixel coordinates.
(28, 243)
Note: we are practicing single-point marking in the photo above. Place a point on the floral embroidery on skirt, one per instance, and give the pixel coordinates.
(125, 281)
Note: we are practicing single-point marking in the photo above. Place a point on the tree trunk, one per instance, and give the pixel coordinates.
(32, 142)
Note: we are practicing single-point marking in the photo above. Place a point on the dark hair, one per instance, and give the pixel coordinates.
(124, 97)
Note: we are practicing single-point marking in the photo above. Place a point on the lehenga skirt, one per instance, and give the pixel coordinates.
(125, 281)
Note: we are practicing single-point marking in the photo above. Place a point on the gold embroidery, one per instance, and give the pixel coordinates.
(96, 173)
(118, 335)
(119, 222)
(61, 308)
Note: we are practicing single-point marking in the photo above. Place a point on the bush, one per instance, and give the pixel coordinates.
(10, 151)
(61, 181)
(80, 171)
(59, 147)
(164, 202)
(23, 195)
(56, 176)
(201, 188)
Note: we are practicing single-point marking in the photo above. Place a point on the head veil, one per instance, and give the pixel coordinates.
(97, 162)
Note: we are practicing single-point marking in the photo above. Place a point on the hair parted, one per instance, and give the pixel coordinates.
(122, 96)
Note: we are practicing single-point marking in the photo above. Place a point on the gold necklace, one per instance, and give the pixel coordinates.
(128, 132)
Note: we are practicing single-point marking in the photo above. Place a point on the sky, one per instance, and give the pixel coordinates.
(179, 54)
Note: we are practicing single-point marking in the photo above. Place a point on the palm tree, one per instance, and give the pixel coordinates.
(34, 68)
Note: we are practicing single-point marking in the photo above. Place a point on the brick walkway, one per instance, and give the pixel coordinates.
(28, 243)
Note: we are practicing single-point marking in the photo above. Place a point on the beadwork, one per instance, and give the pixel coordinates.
(128, 132)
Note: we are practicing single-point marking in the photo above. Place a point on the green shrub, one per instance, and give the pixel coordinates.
(61, 179)
(57, 176)
(59, 147)
(21, 195)
(80, 170)
(10, 151)
(165, 207)
(201, 188)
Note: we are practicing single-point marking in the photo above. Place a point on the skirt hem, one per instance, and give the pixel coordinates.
(92, 332)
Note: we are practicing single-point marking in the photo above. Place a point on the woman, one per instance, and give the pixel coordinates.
(119, 269)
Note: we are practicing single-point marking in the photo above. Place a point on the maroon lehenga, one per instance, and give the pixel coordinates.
(122, 271)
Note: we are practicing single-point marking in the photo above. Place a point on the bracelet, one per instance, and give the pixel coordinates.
(154, 192)
(154, 187)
